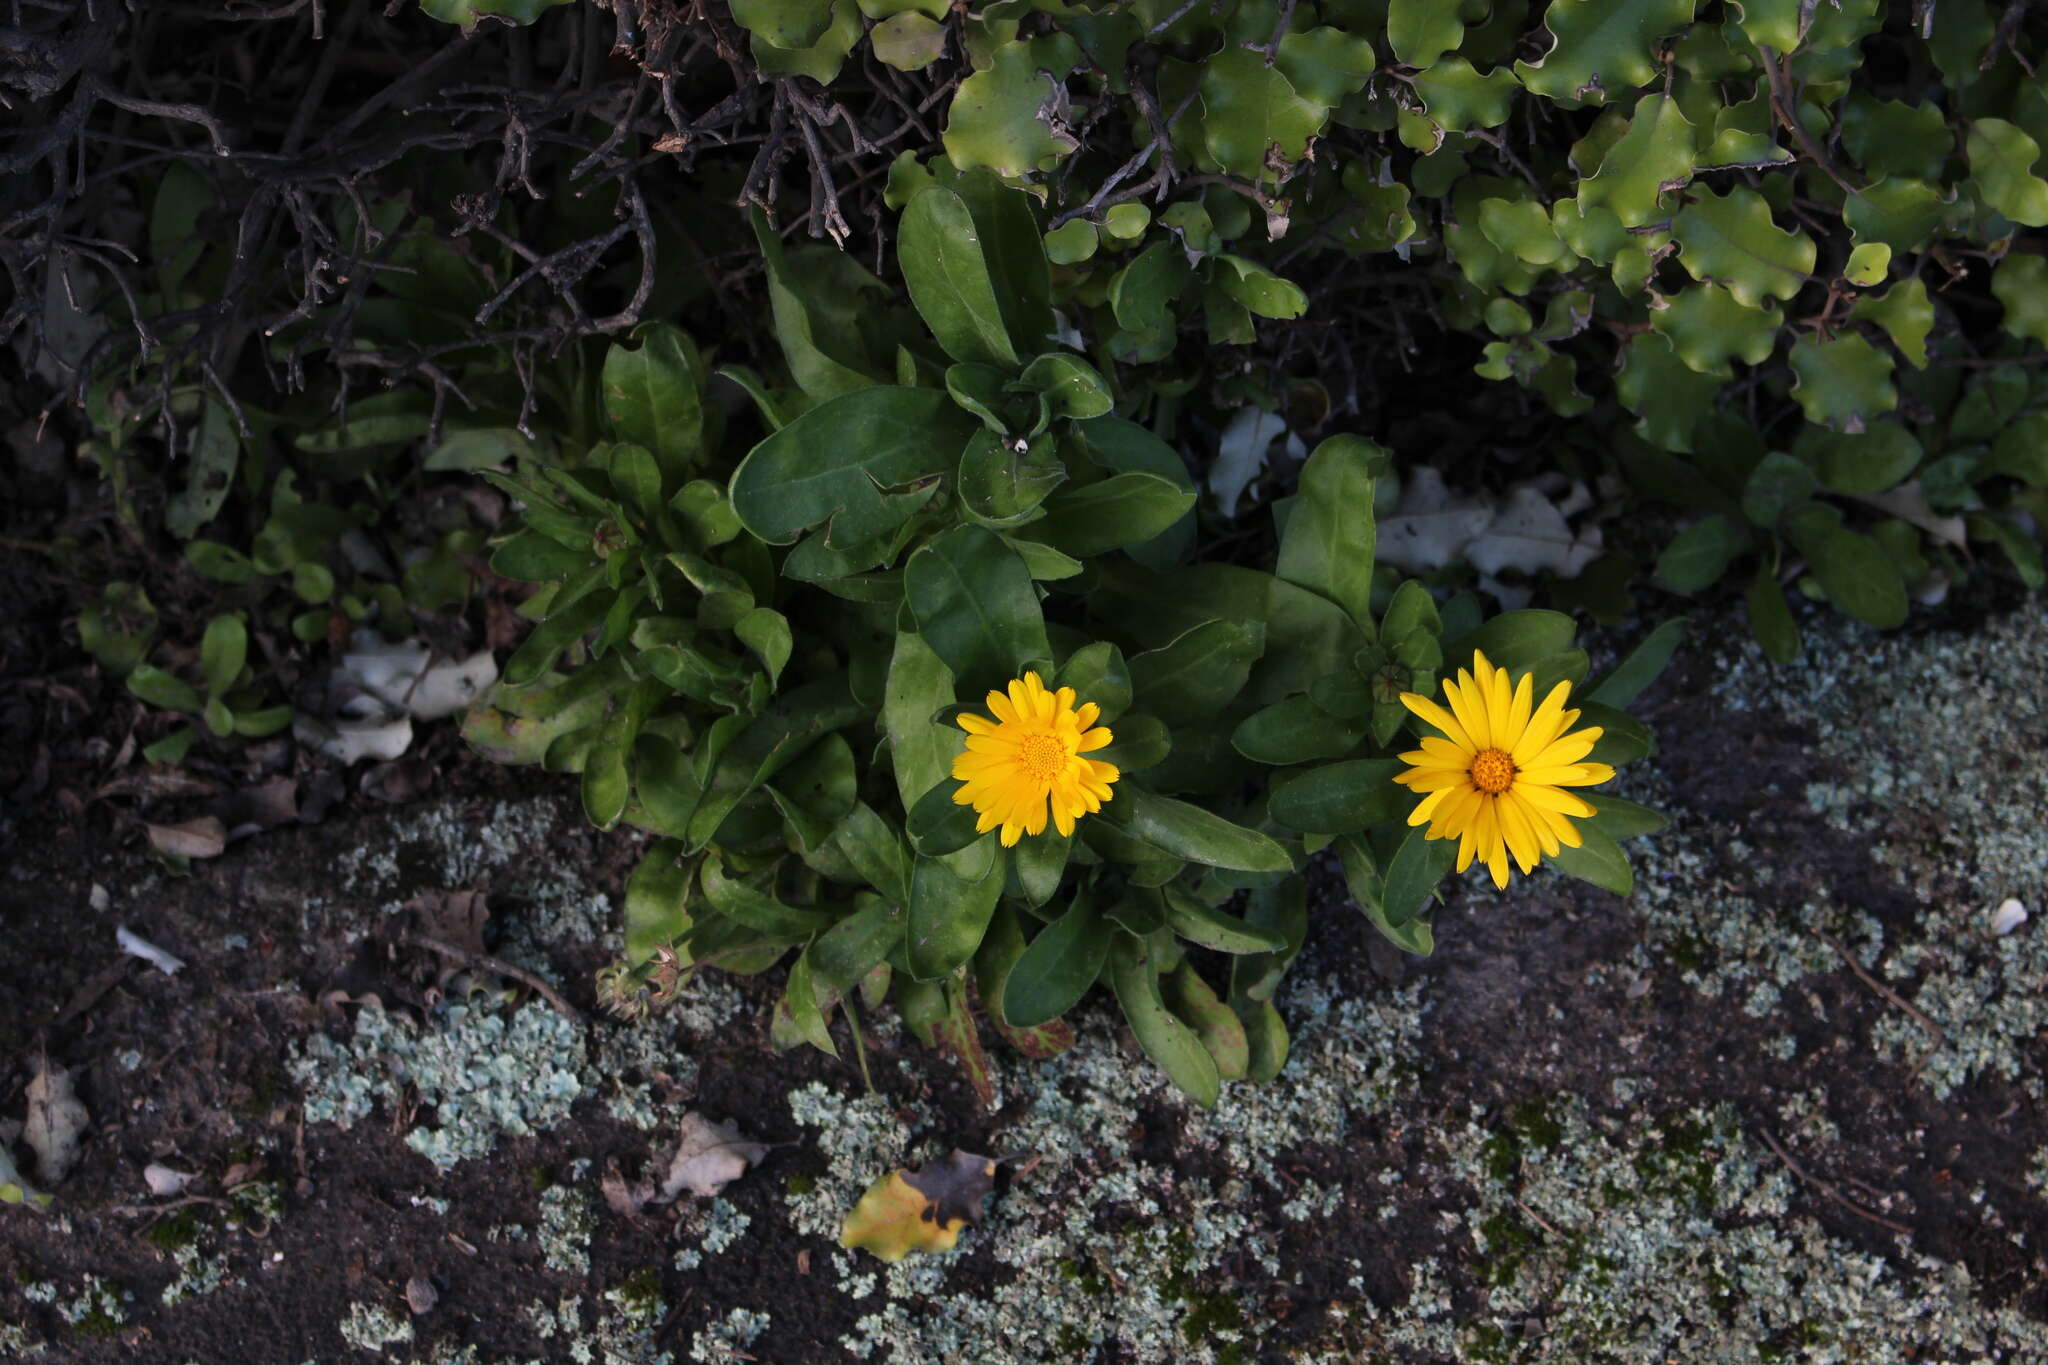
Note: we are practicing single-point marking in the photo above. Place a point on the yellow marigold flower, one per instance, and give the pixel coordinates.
(1029, 754)
(1495, 781)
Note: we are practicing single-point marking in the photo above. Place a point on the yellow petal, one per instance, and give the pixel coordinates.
(1440, 718)
(1098, 738)
(999, 707)
(1518, 711)
(1515, 828)
(1087, 715)
(1547, 724)
(1427, 804)
(1534, 819)
(1568, 750)
(1550, 798)
(1468, 704)
(973, 724)
(1432, 779)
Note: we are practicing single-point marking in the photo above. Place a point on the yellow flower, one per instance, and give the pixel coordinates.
(1030, 753)
(1495, 781)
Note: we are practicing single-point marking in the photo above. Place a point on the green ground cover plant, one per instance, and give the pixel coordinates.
(1232, 363)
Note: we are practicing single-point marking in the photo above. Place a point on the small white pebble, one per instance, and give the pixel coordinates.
(2008, 917)
(163, 1180)
(97, 898)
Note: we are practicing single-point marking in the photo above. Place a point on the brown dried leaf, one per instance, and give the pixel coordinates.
(56, 1123)
(201, 838)
(711, 1156)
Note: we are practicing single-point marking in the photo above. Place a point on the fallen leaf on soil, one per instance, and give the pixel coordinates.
(241, 1173)
(135, 945)
(921, 1210)
(408, 779)
(162, 1180)
(151, 783)
(201, 838)
(712, 1156)
(254, 809)
(420, 1295)
(14, 1189)
(56, 1123)
(404, 676)
(350, 741)
(624, 1197)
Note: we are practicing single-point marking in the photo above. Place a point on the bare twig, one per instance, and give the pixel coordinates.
(1940, 1038)
(1827, 1189)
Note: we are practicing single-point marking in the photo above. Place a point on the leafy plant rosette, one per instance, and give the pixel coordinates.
(777, 666)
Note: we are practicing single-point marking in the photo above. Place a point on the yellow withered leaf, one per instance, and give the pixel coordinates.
(921, 1210)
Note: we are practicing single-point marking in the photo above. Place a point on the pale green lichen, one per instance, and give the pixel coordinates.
(198, 1274)
(567, 1218)
(373, 1327)
(724, 1342)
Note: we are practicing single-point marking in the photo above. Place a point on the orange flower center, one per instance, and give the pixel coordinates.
(1042, 756)
(1493, 771)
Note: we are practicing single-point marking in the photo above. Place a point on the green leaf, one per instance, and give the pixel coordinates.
(1057, 968)
(1257, 289)
(948, 916)
(161, 689)
(921, 751)
(1629, 677)
(1619, 819)
(1198, 922)
(1294, 730)
(1001, 487)
(1097, 673)
(1779, 483)
(801, 1006)
(1902, 214)
(1458, 97)
(1412, 876)
(1192, 833)
(221, 563)
(823, 358)
(1522, 228)
(1655, 155)
(908, 41)
(842, 957)
(1907, 315)
(975, 607)
(654, 398)
(1071, 385)
(1072, 242)
(1142, 742)
(1195, 1003)
(1845, 383)
(1038, 863)
(607, 777)
(1867, 461)
(939, 251)
(1199, 673)
(1172, 1045)
(1857, 576)
(1420, 31)
(1888, 138)
(755, 909)
(1730, 240)
(1325, 64)
(994, 118)
(1770, 618)
(1265, 1038)
(2002, 161)
(1342, 798)
(222, 653)
(841, 461)
(657, 900)
(1327, 546)
(1123, 509)
(1623, 739)
(215, 451)
(1252, 112)
(938, 825)
(1601, 48)
(766, 631)
(1598, 860)
(1669, 396)
(821, 60)
(2020, 282)
(1708, 327)
(1514, 639)
(467, 12)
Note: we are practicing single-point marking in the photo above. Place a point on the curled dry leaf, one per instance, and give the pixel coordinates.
(920, 1210)
(710, 1157)
(56, 1125)
(201, 838)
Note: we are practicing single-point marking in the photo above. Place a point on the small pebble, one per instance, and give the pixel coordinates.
(420, 1295)
(2008, 917)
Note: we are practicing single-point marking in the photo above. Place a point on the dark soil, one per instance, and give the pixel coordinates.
(211, 1094)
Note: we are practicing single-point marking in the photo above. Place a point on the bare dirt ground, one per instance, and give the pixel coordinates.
(1783, 1103)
